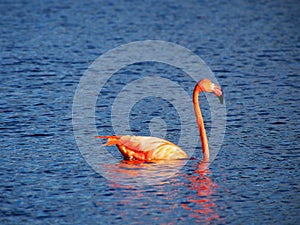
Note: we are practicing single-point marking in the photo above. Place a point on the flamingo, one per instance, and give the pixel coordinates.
(144, 148)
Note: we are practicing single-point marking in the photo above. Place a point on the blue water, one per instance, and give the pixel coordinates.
(253, 49)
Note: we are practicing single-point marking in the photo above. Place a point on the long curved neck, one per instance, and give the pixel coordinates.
(200, 123)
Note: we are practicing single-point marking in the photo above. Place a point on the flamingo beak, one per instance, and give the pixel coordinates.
(218, 92)
(221, 99)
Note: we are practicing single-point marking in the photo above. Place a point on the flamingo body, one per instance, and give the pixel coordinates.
(145, 148)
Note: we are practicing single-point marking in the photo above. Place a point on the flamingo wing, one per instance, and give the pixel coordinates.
(145, 148)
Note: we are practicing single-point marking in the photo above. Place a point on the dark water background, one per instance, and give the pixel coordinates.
(253, 49)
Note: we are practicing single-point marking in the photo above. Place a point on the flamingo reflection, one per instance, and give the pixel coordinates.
(136, 176)
(201, 206)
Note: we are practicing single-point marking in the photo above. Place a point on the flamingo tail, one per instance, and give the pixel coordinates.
(111, 140)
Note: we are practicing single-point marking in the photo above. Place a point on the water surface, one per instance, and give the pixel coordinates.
(253, 49)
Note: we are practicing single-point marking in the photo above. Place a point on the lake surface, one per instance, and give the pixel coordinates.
(253, 50)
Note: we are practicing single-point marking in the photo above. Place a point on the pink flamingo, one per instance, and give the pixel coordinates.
(153, 148)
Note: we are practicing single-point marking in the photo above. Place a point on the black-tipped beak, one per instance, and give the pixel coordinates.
(221, 99)
(218, 92)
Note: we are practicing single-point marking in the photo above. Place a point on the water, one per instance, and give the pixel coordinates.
(253, 49)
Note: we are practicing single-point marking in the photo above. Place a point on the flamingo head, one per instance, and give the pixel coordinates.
(207, 85)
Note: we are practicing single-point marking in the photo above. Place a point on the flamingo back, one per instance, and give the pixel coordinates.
(145, 148)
